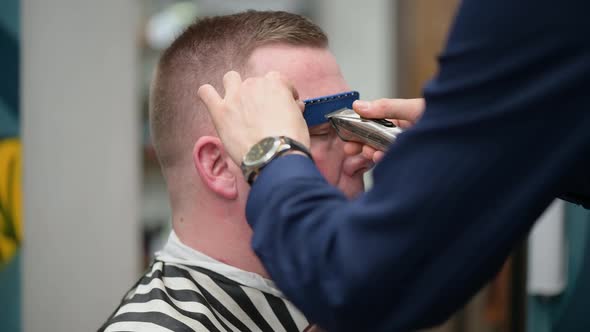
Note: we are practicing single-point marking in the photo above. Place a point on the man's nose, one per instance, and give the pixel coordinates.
(355, 164)
(351, 164)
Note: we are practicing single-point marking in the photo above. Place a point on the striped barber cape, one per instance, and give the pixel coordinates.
(185, 290)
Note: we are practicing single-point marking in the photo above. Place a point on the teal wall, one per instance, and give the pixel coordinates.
(10, 296)
(10, 281)
(9, 67)
(569, 312)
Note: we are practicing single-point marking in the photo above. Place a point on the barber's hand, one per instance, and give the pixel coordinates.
(403, 112)
(253, 109)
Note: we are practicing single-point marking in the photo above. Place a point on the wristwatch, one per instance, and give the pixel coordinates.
(267, 149)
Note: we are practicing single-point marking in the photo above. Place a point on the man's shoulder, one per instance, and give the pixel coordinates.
(181, 297)
(167, 297)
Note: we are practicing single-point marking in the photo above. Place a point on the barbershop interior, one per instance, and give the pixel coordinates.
(84, 205)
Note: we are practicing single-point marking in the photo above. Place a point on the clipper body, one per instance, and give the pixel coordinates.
(377, 133)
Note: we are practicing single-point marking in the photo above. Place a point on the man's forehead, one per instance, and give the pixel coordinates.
(313, 71)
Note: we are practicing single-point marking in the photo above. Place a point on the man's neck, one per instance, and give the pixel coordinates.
(220, 237)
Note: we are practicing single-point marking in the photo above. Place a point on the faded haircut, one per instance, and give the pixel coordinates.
(202, 54)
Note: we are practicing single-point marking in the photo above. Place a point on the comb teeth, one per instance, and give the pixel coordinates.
(317, 108)
(328, 98)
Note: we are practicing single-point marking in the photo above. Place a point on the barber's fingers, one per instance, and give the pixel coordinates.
(231, 83)
(400, 109)
(210, 97)
(403, 123)
(352, 148)
(275, 75)
(372, 154)
(301, 105)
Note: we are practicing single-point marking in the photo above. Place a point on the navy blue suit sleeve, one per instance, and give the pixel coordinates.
(506, 130)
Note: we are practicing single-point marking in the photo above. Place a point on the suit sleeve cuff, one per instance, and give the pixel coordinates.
(276, 177)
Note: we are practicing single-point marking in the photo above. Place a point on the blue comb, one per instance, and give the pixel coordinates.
(317, 108)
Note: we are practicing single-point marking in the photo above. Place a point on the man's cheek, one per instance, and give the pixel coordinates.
(318, 152)
(326, 161)
(325, 167)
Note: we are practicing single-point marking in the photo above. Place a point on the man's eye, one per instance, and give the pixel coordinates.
(323, 133)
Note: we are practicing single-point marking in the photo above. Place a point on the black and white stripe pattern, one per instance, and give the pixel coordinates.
(178, 297)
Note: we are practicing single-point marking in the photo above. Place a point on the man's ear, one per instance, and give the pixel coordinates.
(212, 164)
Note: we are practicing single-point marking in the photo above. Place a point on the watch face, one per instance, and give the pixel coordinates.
(261, 151)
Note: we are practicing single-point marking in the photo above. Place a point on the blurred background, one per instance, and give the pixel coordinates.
(83, 205)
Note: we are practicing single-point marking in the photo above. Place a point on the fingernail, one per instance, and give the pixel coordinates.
(361, 105)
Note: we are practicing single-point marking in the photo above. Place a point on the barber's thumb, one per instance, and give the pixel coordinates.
(209, 96)
(364, 109)
(384, 108)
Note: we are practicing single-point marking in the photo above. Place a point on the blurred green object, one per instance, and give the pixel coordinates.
(10, 169)
(568, 312)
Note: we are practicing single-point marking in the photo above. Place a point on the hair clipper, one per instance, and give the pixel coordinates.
(377, 133)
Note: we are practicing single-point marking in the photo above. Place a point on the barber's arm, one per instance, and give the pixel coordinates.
(405, 112)
(505, 130)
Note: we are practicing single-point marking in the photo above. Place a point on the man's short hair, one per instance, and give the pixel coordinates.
(202, 54)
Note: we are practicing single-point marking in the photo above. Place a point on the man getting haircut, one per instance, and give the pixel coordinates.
(207, 277)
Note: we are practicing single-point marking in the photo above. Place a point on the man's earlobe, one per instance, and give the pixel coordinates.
(211, 163)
